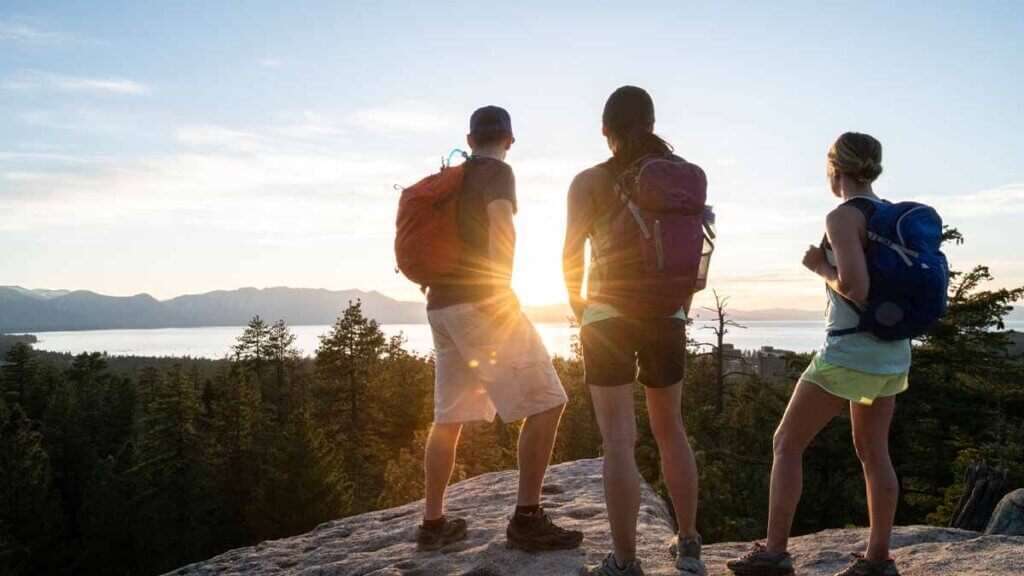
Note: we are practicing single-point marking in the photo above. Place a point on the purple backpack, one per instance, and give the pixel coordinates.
(662, 236)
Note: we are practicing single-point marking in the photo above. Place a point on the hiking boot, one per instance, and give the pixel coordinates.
(686, 551)
(861, 566)
(452, 530)
(608, 567)
(536, 532)
(760, 562)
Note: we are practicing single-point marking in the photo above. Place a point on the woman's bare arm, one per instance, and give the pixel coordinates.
(573, 251)
(846, 228)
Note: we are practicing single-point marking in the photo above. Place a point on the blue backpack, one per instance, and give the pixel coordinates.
(908, 271)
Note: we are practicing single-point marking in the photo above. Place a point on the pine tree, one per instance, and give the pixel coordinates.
(89, 380)
(172, 499)
(106, 546)
(347, 361)
(19, 376)
(399, 401)
(960, 381)
(403, 474)
(302, 482)
(251, 347)
(282, 354)
(66, 442)
(233, 459)
(30, 520)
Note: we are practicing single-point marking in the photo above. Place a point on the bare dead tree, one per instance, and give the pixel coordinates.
(720, 328)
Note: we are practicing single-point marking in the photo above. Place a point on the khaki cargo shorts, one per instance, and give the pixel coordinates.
(486, 367)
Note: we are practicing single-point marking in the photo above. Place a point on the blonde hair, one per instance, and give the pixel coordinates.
(857, 155)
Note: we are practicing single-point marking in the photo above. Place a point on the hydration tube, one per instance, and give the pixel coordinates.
(447, 163)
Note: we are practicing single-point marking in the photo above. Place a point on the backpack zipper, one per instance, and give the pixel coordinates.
(657, 245)
(657, 160)
(899, 221)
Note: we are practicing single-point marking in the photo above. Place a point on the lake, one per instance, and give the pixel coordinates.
(216, 341)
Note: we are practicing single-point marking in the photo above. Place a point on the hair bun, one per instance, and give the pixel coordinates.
(857, 155)
(869, 170)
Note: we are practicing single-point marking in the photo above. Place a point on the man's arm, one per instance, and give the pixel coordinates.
(502, 247)
(573, 251)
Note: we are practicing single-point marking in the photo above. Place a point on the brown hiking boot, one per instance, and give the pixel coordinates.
(452, 530)
(537, 532)
(760, 562)
(861, 566)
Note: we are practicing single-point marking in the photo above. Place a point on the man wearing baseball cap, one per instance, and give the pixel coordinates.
(489, 358)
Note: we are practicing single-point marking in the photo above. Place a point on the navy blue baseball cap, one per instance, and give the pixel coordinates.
(490, 119)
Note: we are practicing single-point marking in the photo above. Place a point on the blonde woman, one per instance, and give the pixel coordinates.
(855, 369)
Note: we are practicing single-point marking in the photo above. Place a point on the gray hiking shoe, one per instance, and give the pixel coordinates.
(608, 567)
(760, 562)
(861, 566)
(453, 530)
(686, 552)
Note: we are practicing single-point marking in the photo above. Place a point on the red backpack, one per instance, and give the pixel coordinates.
(427, 245)
(661, 238)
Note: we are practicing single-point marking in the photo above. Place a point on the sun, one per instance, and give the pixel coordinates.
(537, 278)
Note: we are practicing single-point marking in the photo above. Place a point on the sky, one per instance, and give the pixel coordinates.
(181, 147)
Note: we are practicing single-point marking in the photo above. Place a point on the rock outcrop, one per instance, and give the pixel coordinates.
(1008, 518)
(381, 543)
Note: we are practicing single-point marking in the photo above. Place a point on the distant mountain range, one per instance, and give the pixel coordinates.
(30, 310)
(24, 310)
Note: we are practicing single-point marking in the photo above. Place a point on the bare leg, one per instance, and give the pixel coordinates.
(809, 410)
(617, 421)
(678, 466)
(536, 440)
(871, 438)
(438, 462)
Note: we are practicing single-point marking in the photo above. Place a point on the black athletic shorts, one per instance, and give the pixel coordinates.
(613, 348)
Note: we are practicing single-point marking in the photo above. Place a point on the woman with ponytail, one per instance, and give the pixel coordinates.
(614, 343)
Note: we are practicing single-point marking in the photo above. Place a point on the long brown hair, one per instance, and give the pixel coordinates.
(629, 117)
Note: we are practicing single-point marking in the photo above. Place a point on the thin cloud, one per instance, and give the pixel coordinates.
(403, 116)
(309, 133)
(41, 156)
(25, 34)
(268, 62)
(32, 79)
(116, 85)
(88, 120)
(273, 180)
(1003, 200)
(222, 138)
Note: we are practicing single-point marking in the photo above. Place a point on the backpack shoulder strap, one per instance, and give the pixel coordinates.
(622, 193)
(866, 206)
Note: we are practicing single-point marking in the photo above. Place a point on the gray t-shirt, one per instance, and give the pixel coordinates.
(486, 180)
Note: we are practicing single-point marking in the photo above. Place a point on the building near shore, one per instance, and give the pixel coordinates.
(765, 362)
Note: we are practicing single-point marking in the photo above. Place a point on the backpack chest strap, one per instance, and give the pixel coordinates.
(901, 250)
